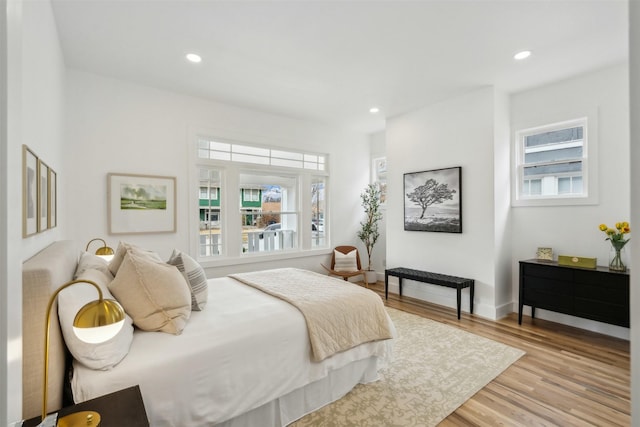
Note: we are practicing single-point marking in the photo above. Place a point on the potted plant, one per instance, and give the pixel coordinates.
(369, 232)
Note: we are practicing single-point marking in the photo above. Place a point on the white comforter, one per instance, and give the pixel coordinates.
(245, 349)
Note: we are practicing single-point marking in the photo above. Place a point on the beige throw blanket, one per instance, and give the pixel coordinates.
(339, 314)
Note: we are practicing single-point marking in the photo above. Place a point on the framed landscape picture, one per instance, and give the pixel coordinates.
(433, 200)
(141, 204)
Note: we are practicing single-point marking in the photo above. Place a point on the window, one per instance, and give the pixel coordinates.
(269, 216)
(254, 197)
(234, 152)
(209, 230)
(250, 194)
(552, 163)
(318, 208)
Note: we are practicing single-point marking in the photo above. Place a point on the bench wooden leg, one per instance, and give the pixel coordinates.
(459, 295)
(386, 285)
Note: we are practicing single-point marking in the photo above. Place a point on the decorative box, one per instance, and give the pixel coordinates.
(577, 261)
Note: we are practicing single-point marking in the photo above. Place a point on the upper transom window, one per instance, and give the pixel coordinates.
(234, 152)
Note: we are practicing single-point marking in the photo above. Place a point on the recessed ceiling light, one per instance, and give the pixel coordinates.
(522, 55)
(194, 57)
(374, 110)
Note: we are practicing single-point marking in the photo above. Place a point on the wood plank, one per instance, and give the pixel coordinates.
(569, 376)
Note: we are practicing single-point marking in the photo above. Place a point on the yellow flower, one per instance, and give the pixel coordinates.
(603, 227)
(626, 230)
(618, 225)
(610, 231)
(625, 225)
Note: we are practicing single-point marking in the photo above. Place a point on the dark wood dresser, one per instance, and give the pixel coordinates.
(596, 294)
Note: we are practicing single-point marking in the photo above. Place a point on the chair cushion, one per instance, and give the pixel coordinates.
(345, 262)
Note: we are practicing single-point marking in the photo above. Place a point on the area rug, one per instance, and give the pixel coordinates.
(435, 369)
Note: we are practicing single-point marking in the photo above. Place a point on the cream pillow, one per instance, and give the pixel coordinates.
(345, 262)
(195, 277)
(153, 293)
(101, 356)
(122, 250)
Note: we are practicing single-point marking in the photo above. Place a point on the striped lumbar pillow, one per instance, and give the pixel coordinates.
(345, 262)
(195, 277)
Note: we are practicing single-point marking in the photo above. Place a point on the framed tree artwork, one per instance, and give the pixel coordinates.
(433, 200)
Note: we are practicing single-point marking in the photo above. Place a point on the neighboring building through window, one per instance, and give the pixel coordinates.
(267, 183)
(552, 162)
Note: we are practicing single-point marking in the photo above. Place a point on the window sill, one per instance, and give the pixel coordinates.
(559, 201)
(265, 257)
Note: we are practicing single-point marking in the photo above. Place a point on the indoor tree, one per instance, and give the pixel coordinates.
(369, 232)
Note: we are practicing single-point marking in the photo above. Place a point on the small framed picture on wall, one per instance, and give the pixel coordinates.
(43, 196)
(29, 192)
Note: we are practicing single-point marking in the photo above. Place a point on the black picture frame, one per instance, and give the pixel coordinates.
(438, 189)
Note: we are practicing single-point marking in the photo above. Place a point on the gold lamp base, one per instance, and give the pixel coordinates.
(78, 419)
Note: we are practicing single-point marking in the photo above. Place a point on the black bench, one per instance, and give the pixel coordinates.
(458, 283)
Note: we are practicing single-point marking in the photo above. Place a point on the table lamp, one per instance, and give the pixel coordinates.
(104, 251)
(96, 322)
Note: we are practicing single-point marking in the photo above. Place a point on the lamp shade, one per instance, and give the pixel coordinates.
(98, 321)
(104, 251)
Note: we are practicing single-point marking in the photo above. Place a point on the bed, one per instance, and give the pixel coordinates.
(247, 358)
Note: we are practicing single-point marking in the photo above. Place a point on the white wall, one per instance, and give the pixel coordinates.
(634, 54)
(378, 148)
(502, 205)
(573, 230)
(115, 126)
(34, 116)
(456, 132)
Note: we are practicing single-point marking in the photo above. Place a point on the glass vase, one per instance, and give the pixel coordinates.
(617, 259)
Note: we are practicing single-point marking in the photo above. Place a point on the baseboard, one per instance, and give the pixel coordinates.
(443, 296)
(577, 322)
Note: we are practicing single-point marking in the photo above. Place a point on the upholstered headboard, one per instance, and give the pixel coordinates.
(42, 275)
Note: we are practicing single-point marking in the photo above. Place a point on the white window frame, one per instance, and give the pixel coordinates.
(589, 165)
(314, 164)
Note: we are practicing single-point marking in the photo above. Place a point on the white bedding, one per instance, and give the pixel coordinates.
(244, 350)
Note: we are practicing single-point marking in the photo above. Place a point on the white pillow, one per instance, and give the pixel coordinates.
(101, 356)
(153, 293)
(194, 275)
(345, 262)
(89, 261)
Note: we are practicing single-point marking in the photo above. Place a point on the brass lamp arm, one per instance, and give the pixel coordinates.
(46, 335)
(93, 240)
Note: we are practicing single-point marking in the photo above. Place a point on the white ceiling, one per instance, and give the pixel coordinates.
(330, 61)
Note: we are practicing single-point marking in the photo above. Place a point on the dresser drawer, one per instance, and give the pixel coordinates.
(604, 280)
(548, 272)
(553, 302)
(602, 311)
(618, 294)
(550, 286)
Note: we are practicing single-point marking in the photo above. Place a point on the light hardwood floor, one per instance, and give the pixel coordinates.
(568, 377)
